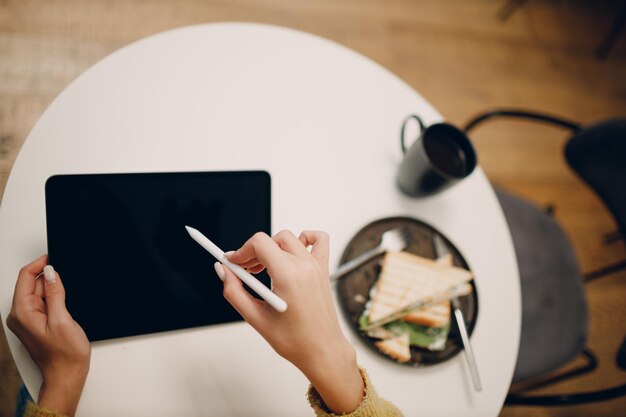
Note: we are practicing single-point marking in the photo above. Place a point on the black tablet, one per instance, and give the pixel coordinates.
(129, 267)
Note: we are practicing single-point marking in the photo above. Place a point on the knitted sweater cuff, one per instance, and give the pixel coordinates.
(371, 405)
(33, 410)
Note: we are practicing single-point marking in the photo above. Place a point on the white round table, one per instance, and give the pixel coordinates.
(324, 121)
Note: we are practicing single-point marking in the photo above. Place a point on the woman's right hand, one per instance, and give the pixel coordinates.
(53, 339)
(308, 333)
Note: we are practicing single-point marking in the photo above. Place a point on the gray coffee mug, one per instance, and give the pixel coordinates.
(441, 156)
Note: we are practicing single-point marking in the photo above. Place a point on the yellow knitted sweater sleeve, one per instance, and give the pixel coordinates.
(371, 405)
(33, 410)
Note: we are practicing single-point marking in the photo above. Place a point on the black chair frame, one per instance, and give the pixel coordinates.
(574, 128)
(518, 396)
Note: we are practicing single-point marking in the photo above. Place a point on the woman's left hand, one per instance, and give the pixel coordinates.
(57, 344)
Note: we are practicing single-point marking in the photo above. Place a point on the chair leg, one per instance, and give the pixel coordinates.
(621, 356)
(509, 8)
(566, 399)
(604, 271)
(517, 398)
(591, 363)
(605, 47)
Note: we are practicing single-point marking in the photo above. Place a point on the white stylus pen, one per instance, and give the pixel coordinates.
(272, 299)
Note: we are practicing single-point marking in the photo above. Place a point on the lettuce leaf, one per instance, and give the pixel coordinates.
(422, 336)
(433, 338)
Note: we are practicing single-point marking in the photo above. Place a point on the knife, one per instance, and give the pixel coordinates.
(441, 250)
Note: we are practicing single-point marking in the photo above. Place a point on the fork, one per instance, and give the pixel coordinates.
(393, 240)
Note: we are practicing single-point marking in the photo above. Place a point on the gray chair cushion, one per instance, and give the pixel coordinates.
(554, 309)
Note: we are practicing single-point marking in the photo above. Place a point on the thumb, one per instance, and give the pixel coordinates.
(54, 292)
(250, 308)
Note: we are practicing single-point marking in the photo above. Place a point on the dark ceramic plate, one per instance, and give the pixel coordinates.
(355, 287)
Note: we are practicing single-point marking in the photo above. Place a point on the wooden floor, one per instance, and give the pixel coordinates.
(456, 53)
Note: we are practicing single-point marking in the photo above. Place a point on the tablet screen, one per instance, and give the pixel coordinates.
(129, 267)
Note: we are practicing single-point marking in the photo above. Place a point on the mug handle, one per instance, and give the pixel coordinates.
(422, 128)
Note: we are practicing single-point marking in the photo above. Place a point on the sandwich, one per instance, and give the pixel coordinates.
(397, 347)
(437, 315)
(406, 279)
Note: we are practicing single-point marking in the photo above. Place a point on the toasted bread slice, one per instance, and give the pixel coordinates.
(380, 333)
(406, 278)
(434, 316)
(396, 347)
(437, 315)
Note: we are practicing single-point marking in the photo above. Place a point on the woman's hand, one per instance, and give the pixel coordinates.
(308, 333)
(53, 339)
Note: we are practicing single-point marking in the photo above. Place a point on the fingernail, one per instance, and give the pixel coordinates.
(48, 272)
(219, 269)
(230, 252)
